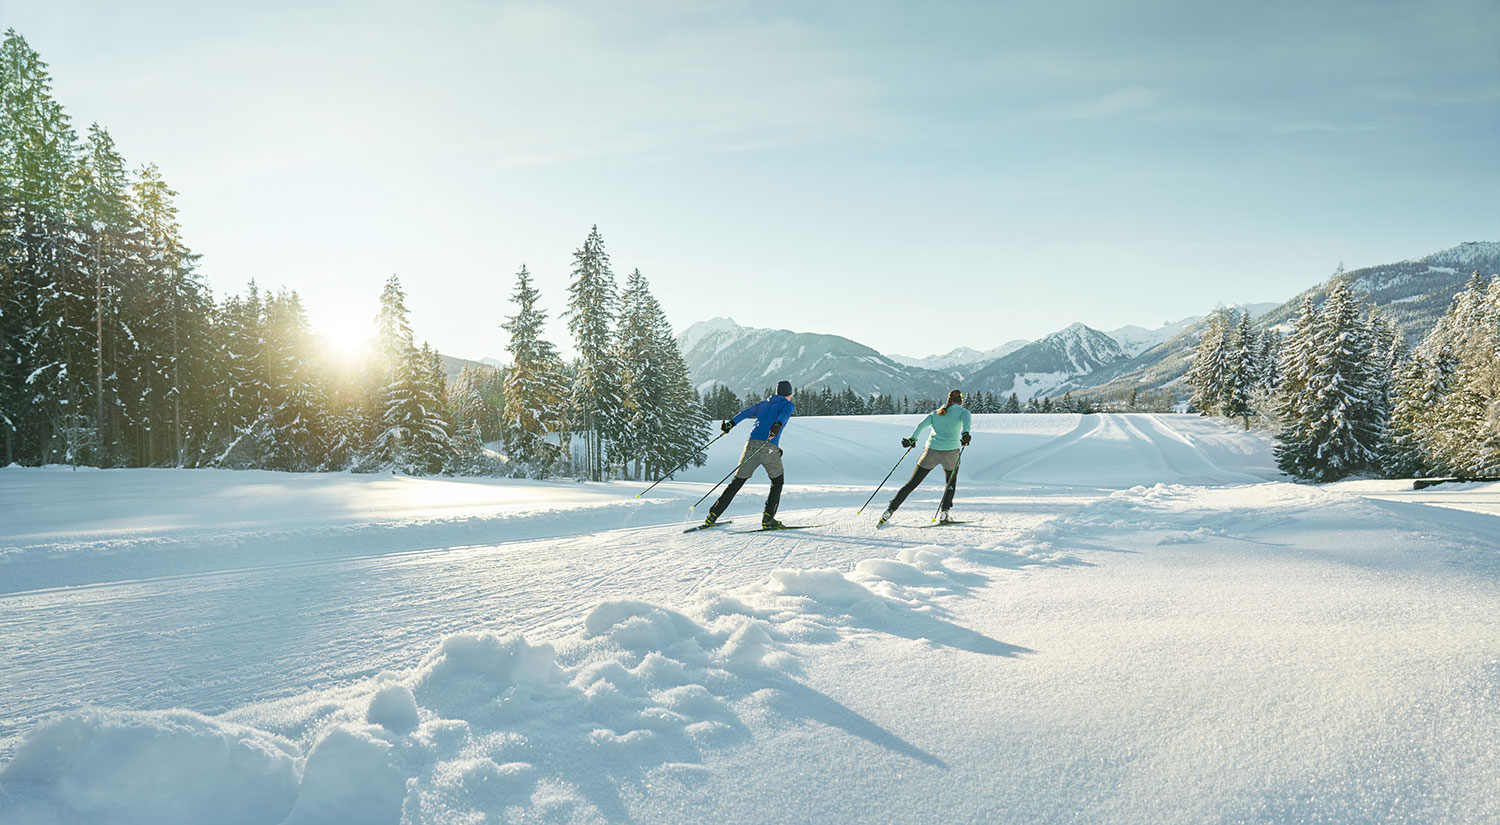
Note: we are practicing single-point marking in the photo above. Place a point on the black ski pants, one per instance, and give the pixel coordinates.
(916, 478)
(772, 501)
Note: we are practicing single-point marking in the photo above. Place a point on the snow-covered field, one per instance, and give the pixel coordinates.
(1139, 623)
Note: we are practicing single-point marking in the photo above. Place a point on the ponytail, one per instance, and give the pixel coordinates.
(954, 397)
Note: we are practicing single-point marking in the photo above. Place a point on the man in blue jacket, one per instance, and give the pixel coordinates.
(762, 450)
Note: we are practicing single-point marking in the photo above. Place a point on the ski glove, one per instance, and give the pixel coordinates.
(964, 439)
(908, 443)
(726, 426)
(775, 428)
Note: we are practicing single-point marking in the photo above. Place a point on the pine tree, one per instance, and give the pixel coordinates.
(1418, 391)
(106, 233)
(42, 343)
(721, 402)
(536, 411)
(664, 421)
(592, 307)
(415, 436)
(1465, 437)
(1268, 362)
(1334, 421)
(1210, 375)
(1238, 398)
(175, 310)
(476, 397)
(295, 432)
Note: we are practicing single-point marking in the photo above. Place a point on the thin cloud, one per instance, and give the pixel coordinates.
(1127, 101)
(1476, 96)
(1317, 127)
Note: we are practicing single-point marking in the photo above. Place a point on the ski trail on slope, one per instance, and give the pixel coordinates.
(1168, 438)
(1027, 458)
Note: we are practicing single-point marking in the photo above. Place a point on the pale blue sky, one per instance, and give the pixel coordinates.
(916, 176)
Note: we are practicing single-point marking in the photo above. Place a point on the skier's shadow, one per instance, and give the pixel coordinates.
(796, 701)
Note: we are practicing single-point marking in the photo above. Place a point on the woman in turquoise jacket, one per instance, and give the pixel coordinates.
(950, 431)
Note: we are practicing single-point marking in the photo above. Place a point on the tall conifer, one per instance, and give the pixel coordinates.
(592, 307)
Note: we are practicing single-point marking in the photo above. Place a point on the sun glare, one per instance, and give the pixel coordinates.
(346, 338)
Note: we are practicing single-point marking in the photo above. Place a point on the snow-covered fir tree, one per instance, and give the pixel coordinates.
(295, 425)
(1210, 373)
(1238, 395)
(175, 316)
(1417, 393)
(592, 308)
(476, 397)
(1333, 415)
(664, 424)
(44, 351)
(415, 436)
(105, 234)
(1464, 437)
(536, 412)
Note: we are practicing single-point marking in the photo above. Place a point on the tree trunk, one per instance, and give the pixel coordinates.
(98, 345)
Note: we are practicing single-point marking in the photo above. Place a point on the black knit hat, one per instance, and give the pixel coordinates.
(783, 387)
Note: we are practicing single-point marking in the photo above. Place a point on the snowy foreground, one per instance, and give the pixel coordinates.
(1139, 624)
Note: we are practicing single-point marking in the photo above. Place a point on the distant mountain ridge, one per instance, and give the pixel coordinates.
(1413, 293)
(962, 359)
(749, 360)
(1080, 359)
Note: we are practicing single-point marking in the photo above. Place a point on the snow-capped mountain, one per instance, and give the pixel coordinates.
(1413, 293)
(1042, 366)
(961, 358)
(1109, 365)
(1135, 340)
(750, 360)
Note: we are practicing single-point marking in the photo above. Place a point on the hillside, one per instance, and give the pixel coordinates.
(1412, 293)
(750, 360)
(1040, 367)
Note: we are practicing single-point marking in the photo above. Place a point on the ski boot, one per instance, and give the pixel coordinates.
(770, 523)
(884, 517)
(712, 517)
(944, 518)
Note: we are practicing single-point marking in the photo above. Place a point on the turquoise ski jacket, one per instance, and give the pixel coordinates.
(945, 428)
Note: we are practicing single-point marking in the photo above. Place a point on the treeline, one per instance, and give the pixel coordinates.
(626, 399)
(1345, 395)
(721, 402)
(114, 353)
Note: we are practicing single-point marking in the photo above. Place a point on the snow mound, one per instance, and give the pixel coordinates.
(488, 721)
(149, 767)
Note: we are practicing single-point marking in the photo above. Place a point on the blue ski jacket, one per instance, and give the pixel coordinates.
(768, 412)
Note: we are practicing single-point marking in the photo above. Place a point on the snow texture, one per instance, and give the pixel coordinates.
(1140, 623)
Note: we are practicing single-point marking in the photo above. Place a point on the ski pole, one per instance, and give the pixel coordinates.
(952, 482)
(683, 464)
(884, 480)
(736, 469)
